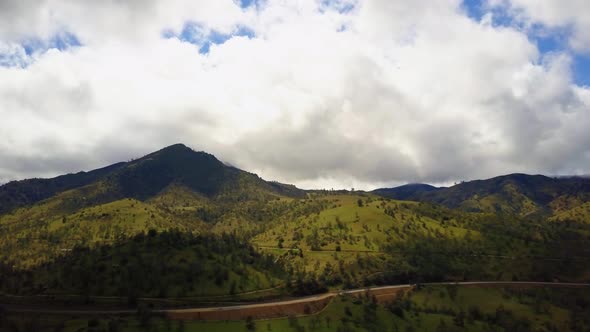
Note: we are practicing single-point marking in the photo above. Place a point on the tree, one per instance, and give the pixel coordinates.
(359, 202)
(93, 322)
(232, 288)
(144, 314)
(452, 289)
(442, 326)
(459, 319)
(475, 313)
(347, 311)
(113, 325)
(180, 327)
(250, 325)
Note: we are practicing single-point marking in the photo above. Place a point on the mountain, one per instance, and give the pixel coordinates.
(198, 171)
(405, 192)
(520, 194)
(180, 223)
(145, 177)
(173, 188)
(20, 193)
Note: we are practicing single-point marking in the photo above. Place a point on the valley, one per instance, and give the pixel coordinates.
(178, 228)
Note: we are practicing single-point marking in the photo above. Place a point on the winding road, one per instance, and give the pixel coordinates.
(309, 304)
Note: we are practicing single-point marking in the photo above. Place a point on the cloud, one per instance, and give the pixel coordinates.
(572, 14)
(317, 93)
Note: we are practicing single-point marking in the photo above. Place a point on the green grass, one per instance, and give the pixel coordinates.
(348, 237)
(352, 228)
(579, 213)
(423, 310)
(488, 300)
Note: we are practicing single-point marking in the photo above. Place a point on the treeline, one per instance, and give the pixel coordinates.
(153, 264)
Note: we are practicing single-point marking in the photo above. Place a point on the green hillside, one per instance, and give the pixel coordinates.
(181, 225)
(580, 214)
(518, 194)
(429, 308)
(174, 188)
(157, 264)
(21, 193)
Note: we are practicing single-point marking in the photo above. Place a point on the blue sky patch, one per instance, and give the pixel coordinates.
(61, 41)
(550, 40)
(22, 54)
(341, 6)
(581, 70)
(197, 34)
(474, 9)
(13, 58)
(501, 17)
(245, 4)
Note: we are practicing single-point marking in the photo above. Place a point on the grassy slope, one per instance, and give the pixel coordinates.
(488, 300)
(579, 213)
(518, 194)
(354, 228)
(359, 231)
(37, 234)
(504, 248)
(95, 215)
(354, 236)
(169, 264)
(423, 310)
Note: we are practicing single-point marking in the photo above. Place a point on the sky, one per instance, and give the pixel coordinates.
(318, 93)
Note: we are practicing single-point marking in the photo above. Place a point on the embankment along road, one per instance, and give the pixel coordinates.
(301, 306)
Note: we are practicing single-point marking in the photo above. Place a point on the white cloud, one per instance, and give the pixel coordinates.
(574, 14)
(383, 93)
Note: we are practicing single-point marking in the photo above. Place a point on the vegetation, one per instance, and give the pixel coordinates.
(516, 194)
(182, 227)
(166, 264)
(430, 308)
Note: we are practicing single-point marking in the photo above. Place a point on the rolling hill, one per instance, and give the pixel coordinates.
(406, 192)
(175, 187)
(519, 194)
(199, 227)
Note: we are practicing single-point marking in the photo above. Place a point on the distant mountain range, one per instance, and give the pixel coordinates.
(178, 222)
(521, 194)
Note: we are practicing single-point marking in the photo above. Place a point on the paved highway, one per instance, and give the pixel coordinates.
(308, 299)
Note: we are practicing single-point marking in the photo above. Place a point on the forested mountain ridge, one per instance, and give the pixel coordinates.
(520, 194)
(409, 191)
(15, 194)
(143, 178)
(173, 188)
(199, 171)
(213, 229)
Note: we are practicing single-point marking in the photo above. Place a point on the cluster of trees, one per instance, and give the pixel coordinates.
(170, 263)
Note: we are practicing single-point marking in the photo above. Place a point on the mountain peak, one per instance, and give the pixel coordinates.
(177, 146)
(179, 153)
(174, 148)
